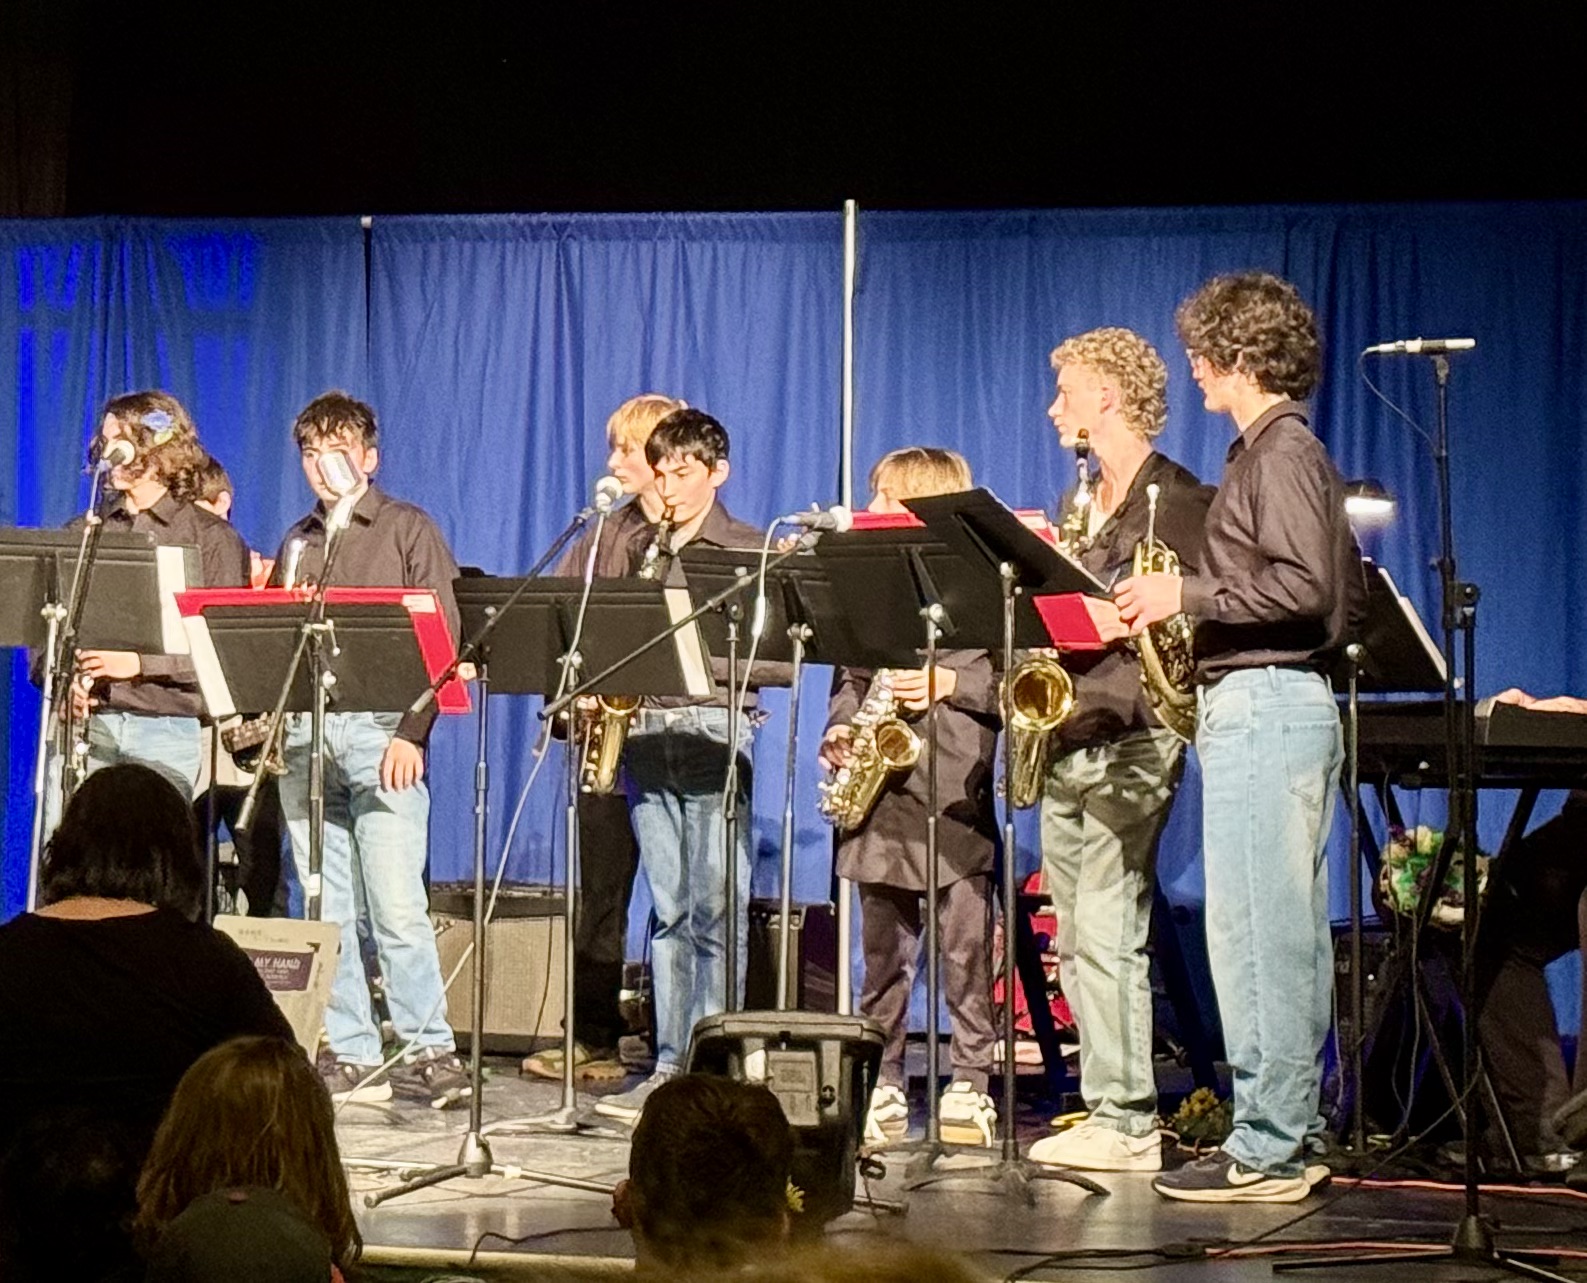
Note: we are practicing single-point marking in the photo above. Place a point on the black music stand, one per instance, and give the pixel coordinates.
(961, 578)
(1393, 655)
(532, 626)
(370, 661)
(127, 613)
(522, 634)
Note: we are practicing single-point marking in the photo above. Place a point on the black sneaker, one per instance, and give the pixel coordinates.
(345, 1082)
(435, 1075)
(1220, 1178)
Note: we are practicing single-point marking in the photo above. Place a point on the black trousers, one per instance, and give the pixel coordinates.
(608, 860)
(1536, 911)
(258, 870)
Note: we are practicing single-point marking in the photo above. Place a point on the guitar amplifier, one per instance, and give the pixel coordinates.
(812, 961)
(524, 945)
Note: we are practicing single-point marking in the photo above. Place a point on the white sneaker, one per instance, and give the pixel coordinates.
(968, 1116)
(888, 1117)
(1092, 1147)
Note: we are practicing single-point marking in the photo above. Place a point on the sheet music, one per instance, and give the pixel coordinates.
(1422, 635)
(691, 649)
(206, 663)
(171, 570)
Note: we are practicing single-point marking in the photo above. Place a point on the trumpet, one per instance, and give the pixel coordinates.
(1038, 698)
(605, 733)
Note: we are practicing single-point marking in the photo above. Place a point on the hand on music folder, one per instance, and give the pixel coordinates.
(1076, 621)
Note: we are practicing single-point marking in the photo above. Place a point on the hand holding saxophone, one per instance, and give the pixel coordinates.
(909, 687)
(837, 748)
(1144, 600)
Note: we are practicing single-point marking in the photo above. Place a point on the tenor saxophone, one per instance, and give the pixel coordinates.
(1166, 649)
(605, 733)
(881, 746)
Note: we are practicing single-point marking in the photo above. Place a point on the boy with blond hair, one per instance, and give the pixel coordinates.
(886, 855)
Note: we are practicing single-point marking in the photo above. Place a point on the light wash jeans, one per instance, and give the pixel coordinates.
(676, 761)
(169, 746)
(374, 866)
(1271, 748)
(1102, 812)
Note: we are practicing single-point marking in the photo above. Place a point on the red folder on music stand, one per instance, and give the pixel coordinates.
(390, 644)
(1068, 622)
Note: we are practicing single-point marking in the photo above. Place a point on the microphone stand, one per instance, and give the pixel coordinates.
(313, 634)
(62, 624)
(474, 1156)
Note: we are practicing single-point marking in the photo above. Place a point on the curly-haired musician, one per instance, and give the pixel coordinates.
(608, 852)
(145, 708)
(1279, 581)
(1114, 767)
(886, 855)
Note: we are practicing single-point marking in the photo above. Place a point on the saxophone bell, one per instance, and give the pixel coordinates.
(1038, 698)
(604, 734)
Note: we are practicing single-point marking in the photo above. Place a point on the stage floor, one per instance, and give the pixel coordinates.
(523, 1226)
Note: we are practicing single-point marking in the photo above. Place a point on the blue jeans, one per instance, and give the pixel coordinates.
(676, 761)
(169, 745)
(373, 867)
(1271, 748)
(1103, 809)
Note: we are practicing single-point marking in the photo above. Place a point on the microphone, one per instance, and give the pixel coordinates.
(338, 474)
(1420, 347)
(608, 490)
(836, 518)
(118, 453)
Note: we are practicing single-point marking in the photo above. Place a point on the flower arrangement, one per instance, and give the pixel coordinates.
(1407, 868)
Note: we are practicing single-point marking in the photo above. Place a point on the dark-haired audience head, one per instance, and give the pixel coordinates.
(336, 422)
(244, 1235)
(163, 437)
(127, 834)
(1256, 325)
(215, 490)
(708, 1175)
(250, 1112)
(66, 1204)
(688, 452)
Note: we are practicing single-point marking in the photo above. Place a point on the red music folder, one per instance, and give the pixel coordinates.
(434, 639)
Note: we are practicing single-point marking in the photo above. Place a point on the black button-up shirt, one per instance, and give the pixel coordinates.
(1281, 575)
(1110, 701)
(168, 684)
(387, 544)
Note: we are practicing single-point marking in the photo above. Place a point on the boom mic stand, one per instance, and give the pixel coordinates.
(1472, 1242)
(63, 622)
(474, 1156)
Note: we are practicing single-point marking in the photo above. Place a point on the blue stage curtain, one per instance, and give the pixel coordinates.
(499, 347)
(243, 322)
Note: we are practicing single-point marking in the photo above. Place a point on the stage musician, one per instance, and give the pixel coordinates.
(145, 708)
(886, 855)
(676, 760)
(1114, 767)
(1272, 601)
(377, 805)
(608, 852)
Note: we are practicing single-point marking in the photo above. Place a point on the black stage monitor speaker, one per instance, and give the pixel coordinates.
(812, 959)
(821, 1068)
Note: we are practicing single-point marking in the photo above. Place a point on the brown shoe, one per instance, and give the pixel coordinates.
(590, 1064)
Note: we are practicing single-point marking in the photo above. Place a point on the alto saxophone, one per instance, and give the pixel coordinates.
(1166, 649)
(604, 729)
(881, 745)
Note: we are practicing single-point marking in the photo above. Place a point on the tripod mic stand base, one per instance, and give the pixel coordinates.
(563, 1121)
(1471, 1245)
(1008, 1175)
